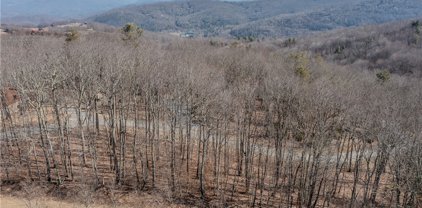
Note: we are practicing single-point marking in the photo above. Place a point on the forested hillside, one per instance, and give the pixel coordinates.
(265, 18)
(395, 47)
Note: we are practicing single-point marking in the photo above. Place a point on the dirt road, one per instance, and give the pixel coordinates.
(103, 121)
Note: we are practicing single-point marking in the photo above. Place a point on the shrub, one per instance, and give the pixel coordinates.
(417, 26)
(301, 65)
(290, 42)
(383, 76)
(131, 31)
(72, 35)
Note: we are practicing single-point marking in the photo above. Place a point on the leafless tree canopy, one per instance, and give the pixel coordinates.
(207, 124)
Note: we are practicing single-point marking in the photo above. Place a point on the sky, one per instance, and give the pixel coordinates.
(61, 8)
(35, 12)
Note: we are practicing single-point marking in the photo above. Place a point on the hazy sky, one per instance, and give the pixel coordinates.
(61, 8)
(47, 11)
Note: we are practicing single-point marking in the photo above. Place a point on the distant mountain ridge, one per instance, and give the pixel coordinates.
(43, 11)
(261, 18)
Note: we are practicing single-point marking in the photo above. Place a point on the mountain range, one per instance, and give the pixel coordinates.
(46, 11)
(260, 18)
(208, 18)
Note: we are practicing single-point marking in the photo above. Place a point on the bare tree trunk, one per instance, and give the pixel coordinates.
(112, 138)
(50, 144)
(81, 132)
(60, 130)
(43, 145)
(359, 155)
(203, 162)
(379, 169)
(173, 124)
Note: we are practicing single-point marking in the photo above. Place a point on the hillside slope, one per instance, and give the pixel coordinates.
(260, 18)
(395, 46)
